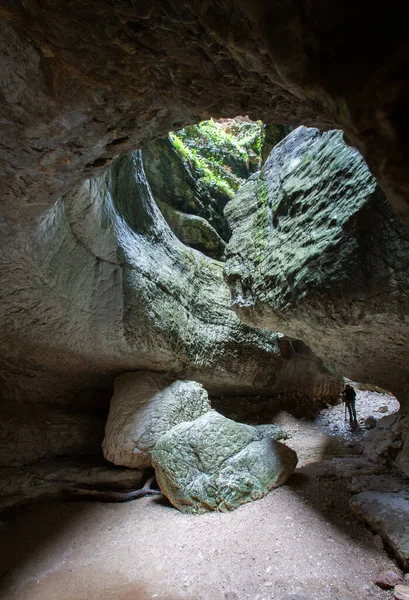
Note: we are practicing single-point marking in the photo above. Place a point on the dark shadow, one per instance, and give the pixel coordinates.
(261, 410)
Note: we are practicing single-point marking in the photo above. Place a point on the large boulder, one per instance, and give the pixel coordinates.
(214, 463)
(318, 254)
(144, 407)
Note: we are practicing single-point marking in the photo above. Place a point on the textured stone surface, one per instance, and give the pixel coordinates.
(378, 482)
(273, 134)
(388, 442)
(100, 285)
(194, 216)
(388, 514)
(317, 253)
(387, 579)
(29, 433)
(401, 592)
(104, 286)
(143, 408)
(214, 463)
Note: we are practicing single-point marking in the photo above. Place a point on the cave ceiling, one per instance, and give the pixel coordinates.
(83, 81)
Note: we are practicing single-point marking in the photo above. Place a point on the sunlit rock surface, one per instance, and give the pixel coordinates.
(317, 253)
(144, 407)
(214, 463)
(191, 210)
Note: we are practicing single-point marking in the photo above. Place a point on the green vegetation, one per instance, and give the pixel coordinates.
(221, 154)
(327, 368)
(207, 172)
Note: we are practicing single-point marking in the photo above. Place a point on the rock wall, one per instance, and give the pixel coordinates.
(192, 212)
(100, 285)
(317, 253)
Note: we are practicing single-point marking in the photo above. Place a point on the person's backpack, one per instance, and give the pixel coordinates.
(350, 394)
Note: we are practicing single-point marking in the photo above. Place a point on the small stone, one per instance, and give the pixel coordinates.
(387, 580)
(370, 422)
(383, 409)
(401, 592)
(231, 596)
(378, 542)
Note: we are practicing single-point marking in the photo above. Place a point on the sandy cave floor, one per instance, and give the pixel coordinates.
(301, 539)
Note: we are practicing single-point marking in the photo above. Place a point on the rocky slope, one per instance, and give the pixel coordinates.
(317, 253)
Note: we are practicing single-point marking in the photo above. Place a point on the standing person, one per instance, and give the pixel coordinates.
(349, 395)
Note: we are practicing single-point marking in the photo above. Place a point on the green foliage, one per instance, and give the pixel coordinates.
(251, 138)
(206, 170)
(326, 367)
(221, 154)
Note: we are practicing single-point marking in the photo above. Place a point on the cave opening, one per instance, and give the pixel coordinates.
(145, 286)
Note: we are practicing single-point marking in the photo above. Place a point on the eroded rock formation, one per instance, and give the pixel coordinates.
(194, 217)
(386, 513)
(100, 285)
(214, 463)
(144, 407)
(317, 253)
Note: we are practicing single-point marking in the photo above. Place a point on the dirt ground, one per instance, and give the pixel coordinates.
(300, 542)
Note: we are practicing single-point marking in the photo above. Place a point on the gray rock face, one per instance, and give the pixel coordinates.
(35, 432)
(388, 514)
(214, 463)
(99, 286)
(194, 215)
(143, 408)
(317, 253)
(388, 442)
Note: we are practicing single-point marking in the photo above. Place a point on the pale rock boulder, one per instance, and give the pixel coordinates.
(214, 463)
(143, 408)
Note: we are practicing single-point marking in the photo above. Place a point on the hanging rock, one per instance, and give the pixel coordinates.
(214, 463)
(144, 407)
(317, 253)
